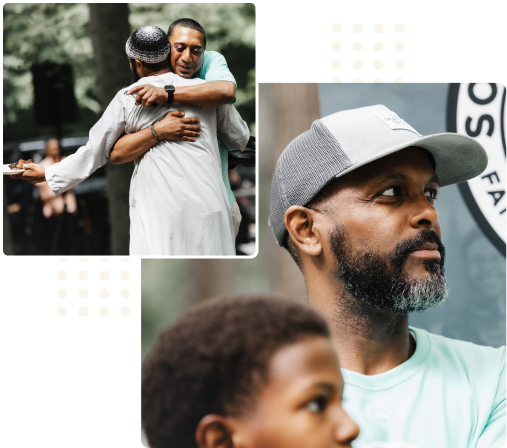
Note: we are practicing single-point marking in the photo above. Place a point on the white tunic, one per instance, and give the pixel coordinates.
(178, 201)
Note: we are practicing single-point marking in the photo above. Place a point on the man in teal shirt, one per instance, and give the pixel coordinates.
(190, 60)
(214, 68)
(353, 201)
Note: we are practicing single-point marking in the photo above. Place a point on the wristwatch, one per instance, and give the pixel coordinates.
(170, 93)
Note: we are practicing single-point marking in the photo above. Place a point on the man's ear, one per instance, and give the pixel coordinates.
(303, 230)
(213, 431)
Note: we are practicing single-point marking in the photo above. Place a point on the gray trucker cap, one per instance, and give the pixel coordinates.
(339, 143)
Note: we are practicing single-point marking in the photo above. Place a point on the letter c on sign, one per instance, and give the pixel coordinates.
(476, 100)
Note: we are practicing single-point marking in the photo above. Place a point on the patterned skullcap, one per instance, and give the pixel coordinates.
(148, 44)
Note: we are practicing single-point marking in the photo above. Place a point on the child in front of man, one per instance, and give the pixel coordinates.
(245, 372)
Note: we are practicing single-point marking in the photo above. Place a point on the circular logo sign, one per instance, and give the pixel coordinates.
(478, 110)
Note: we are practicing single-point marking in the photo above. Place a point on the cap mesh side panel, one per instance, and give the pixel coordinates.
(277, 208)
(308, 163)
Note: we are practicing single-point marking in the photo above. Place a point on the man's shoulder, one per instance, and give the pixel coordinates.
(214, 68)
(211, 59)
(464, 355)
(212, 55)
(460, 348)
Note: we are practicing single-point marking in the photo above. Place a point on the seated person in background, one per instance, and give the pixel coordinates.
(54, 205)
(249, 372)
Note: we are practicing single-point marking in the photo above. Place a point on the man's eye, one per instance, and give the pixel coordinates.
(317, 405)
(390, 192)
(431, 194)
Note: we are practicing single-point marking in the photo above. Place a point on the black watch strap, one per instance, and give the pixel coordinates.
(170, 93)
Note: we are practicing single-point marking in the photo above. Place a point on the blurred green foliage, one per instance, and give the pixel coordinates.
(166, 288)
(59, 32)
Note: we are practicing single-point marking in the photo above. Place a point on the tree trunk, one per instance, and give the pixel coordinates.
(286, 110)
(109, 30)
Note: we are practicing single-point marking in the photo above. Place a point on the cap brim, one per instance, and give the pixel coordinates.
(457, 157)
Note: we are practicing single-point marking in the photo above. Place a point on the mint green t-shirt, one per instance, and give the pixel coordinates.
(214, 68)
(449, 394)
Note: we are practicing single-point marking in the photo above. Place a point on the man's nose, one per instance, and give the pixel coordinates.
(186, 56)
(423, 213)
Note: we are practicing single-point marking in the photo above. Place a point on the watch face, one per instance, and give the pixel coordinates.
(169, 88)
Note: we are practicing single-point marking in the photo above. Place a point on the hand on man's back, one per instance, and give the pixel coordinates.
(175, 126)
(148, 95)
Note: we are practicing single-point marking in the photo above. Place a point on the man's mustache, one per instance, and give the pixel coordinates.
(404, 248)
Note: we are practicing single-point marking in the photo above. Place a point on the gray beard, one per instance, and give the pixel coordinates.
(376, 283)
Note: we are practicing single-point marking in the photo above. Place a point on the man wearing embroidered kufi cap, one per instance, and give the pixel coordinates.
(149, 44)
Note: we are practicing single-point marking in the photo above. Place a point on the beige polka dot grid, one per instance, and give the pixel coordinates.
(99, 289)
(378, 46)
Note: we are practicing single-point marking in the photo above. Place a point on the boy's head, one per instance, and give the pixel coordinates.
(245, 372)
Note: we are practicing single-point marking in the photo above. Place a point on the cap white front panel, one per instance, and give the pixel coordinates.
(362, 133)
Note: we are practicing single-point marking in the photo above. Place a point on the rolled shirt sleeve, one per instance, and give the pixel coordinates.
(231, 128)
(79, 166)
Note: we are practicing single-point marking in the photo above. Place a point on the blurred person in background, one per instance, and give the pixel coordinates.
(19, 196)
(241, 223)
(58, 232)
(245, 372)
(54, 205)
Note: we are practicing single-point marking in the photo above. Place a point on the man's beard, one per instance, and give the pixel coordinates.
(378, 281)
(135, 75)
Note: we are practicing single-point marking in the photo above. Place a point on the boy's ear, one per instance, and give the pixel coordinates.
(213, 431)
(303, 229)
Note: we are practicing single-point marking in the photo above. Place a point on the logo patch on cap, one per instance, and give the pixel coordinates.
(395, 122)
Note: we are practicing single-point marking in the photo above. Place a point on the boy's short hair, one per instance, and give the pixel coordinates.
(215, 360)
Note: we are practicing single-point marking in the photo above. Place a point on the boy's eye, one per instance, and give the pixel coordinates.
(317, 405)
